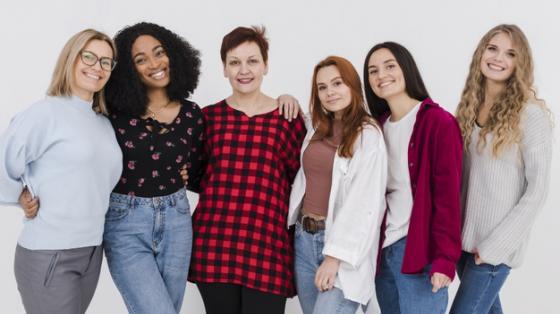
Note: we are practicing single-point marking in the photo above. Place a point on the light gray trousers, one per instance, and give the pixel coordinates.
(57, 281)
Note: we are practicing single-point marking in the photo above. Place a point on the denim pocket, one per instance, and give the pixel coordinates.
(50, 270)
(117, 211)
(182, 206)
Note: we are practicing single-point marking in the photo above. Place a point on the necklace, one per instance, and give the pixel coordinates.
(154, 112)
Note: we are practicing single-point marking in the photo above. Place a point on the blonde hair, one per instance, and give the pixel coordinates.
(505, 115)
(63, 74)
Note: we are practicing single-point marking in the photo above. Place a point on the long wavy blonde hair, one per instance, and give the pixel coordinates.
(505, 115)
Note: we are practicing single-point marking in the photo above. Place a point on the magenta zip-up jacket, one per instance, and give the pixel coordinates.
(435, 153)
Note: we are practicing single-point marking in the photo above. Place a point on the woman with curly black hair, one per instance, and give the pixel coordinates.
(148, 233)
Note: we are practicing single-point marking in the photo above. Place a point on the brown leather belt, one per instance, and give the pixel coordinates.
(311, 225)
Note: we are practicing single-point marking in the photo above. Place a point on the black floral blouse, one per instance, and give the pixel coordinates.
(154, 152)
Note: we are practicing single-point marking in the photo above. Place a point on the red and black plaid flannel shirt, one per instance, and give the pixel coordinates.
(239, 225)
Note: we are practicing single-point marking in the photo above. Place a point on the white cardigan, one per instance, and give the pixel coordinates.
(356, 209)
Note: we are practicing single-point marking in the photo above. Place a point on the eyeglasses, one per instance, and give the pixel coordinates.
(90, 58)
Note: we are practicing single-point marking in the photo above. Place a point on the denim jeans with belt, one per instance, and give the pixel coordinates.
(309, 256)
(148, 243)
(479, 288)
(406, 293)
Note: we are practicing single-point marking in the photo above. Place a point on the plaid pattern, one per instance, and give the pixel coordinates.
(239, 225)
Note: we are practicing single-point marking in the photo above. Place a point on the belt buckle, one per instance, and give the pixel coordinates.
(310, 225)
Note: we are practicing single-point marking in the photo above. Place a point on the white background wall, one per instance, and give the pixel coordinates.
(440, 34)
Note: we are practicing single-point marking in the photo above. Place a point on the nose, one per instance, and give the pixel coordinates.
(381, 73)
(153, 63)
(244, 68)
(97, 66)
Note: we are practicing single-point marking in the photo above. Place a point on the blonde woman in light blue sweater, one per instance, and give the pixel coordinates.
(63, 149)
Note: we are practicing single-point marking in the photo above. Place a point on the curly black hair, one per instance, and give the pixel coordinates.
(126, 93)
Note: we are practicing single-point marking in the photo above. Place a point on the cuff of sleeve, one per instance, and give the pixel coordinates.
(340, 254)
(492, 255)
(444, 267)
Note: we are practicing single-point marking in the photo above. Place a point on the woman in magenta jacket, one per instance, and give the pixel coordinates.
(420, 238)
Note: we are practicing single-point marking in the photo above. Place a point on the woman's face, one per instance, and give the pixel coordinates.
(89, 79)
(151, 61)
(386, 78)
(333, 93)
(498, 59)
(245, 68)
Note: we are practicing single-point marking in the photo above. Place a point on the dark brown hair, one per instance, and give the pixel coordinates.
(354, 116)
(414, 85)
(242, 35)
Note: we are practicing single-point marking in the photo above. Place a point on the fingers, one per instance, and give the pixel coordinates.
(439, 281)
(25, 196)
(477, 259)
(31, 209)
(296, 109)
(287, 105)
(184, 174)
(324, 282)
(288, 112)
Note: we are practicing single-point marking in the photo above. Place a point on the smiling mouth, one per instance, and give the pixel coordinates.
(245, 80)
(158, 75)
(332, 101)
(92, 76)
(384, 84)
(495, 67)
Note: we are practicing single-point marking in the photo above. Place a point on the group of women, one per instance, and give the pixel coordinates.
(390, 194)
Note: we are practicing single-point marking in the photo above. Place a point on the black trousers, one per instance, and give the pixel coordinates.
(223, 298)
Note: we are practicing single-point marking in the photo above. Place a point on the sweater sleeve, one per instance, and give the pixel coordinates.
(446, 218)
(356, 227)
(25, 140)
(536, 152)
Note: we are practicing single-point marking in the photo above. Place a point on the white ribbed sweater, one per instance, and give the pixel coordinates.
(502, 196)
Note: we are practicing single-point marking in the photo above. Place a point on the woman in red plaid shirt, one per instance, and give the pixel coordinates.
(242, 254)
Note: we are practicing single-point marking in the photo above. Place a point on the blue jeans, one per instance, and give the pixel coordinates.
(406, 293)
(479, 288)
(148, 243)
(309, 256)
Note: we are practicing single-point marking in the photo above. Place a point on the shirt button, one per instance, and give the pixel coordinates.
(411, 164)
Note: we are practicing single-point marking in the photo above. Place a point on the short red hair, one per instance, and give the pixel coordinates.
(242, 35)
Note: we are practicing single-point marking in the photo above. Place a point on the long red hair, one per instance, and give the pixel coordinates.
(354, 116)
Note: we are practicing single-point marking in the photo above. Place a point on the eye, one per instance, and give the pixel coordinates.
(253, 61)
(106, 63)
(160, 52)
(233, 62)
(390, 66)
(140, 61)
(491, 48)
(511, 54)
(337, 83)
(89, 57)
(321, 87)
(372, 71)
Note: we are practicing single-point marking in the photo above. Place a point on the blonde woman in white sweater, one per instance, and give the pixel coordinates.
(507, 133)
